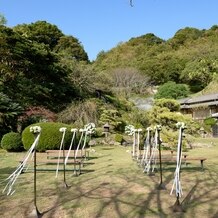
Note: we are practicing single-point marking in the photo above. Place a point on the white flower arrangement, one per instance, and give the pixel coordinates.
(130, 129)
(82, 130)
(90, 128)
(149, 129)
(158, 127)
(74, 130)
(62, 129)
(181, 125)
(35, 129)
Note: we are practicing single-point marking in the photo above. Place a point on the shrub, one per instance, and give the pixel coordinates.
(50, 136)
(119, 138)
(172, 90)
(171, 104)
(98, 132)
(12, 142)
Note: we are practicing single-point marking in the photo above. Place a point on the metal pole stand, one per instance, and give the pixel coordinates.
(64, 168)
(35, 212)
(161, 186)
(177, 207)
(150, 173)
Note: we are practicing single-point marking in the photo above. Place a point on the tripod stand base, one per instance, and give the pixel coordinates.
(161, 186)
(177, 207)
(66, 186)
(35, 213)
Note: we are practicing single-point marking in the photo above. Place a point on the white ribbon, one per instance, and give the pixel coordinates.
(176, 182)
(138, 143)
(13, 177)
(62, 129)
(146, 147)
(70, 148)
(153, 156)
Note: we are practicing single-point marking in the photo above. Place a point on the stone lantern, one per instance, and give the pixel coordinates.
(106, 129)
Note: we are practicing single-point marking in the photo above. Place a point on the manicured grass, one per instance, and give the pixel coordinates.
(113, 185)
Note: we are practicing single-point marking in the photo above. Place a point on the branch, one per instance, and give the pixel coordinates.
(131, 3)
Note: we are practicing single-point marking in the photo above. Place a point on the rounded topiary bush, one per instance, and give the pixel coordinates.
(12, 142)
(50, 138)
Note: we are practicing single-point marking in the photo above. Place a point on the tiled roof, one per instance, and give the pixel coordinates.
(211, 99)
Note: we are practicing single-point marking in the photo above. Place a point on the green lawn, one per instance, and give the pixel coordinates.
(112, 185)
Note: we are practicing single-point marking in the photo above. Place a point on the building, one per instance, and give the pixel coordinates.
(201, 107)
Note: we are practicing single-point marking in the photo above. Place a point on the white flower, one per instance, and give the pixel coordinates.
(89, 126)
(181, 125)
(130, 129)
(158, 127)
(74, 130)
(35, 129)
(149, 129)
(62, 129)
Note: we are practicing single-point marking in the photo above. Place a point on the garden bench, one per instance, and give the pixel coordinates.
(80, 154)
(185, 160)
(52, 159)
(167, 156)
(201, 159)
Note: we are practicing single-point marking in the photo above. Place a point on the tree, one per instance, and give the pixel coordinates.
(71, 46)
(9, 112)
(128, 81)
(34, 71)
(172, 90)
(199, 72)
(41, 32)
(171, 104)
(185, 35)
(3, 20)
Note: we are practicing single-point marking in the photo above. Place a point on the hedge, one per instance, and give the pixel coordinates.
(12, 142)
(50, 138)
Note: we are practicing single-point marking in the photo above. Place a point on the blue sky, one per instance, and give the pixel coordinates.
(102, 24)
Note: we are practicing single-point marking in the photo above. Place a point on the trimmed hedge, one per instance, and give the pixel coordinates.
(12, 142)
(50, 138)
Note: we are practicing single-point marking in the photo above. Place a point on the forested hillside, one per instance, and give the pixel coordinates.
(46, 75)
(190, 57)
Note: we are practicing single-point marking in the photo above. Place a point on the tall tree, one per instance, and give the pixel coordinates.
(41, 32)
(3, 20)
(71, 46)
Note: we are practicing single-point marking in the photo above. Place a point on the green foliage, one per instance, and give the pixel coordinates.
(34, 71)
(171, 90)
(71, 46)
(162, 61)
(210, 121)
(148, 40)
(171, 104)
(12, 142)
(113, 118)
(41, 32)
(50, 136)
(118, 138)
(199, 72)
(164, 117)
(185, 35)
(136, 117)
(3, 20)
(98, 132)
(9, 112)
